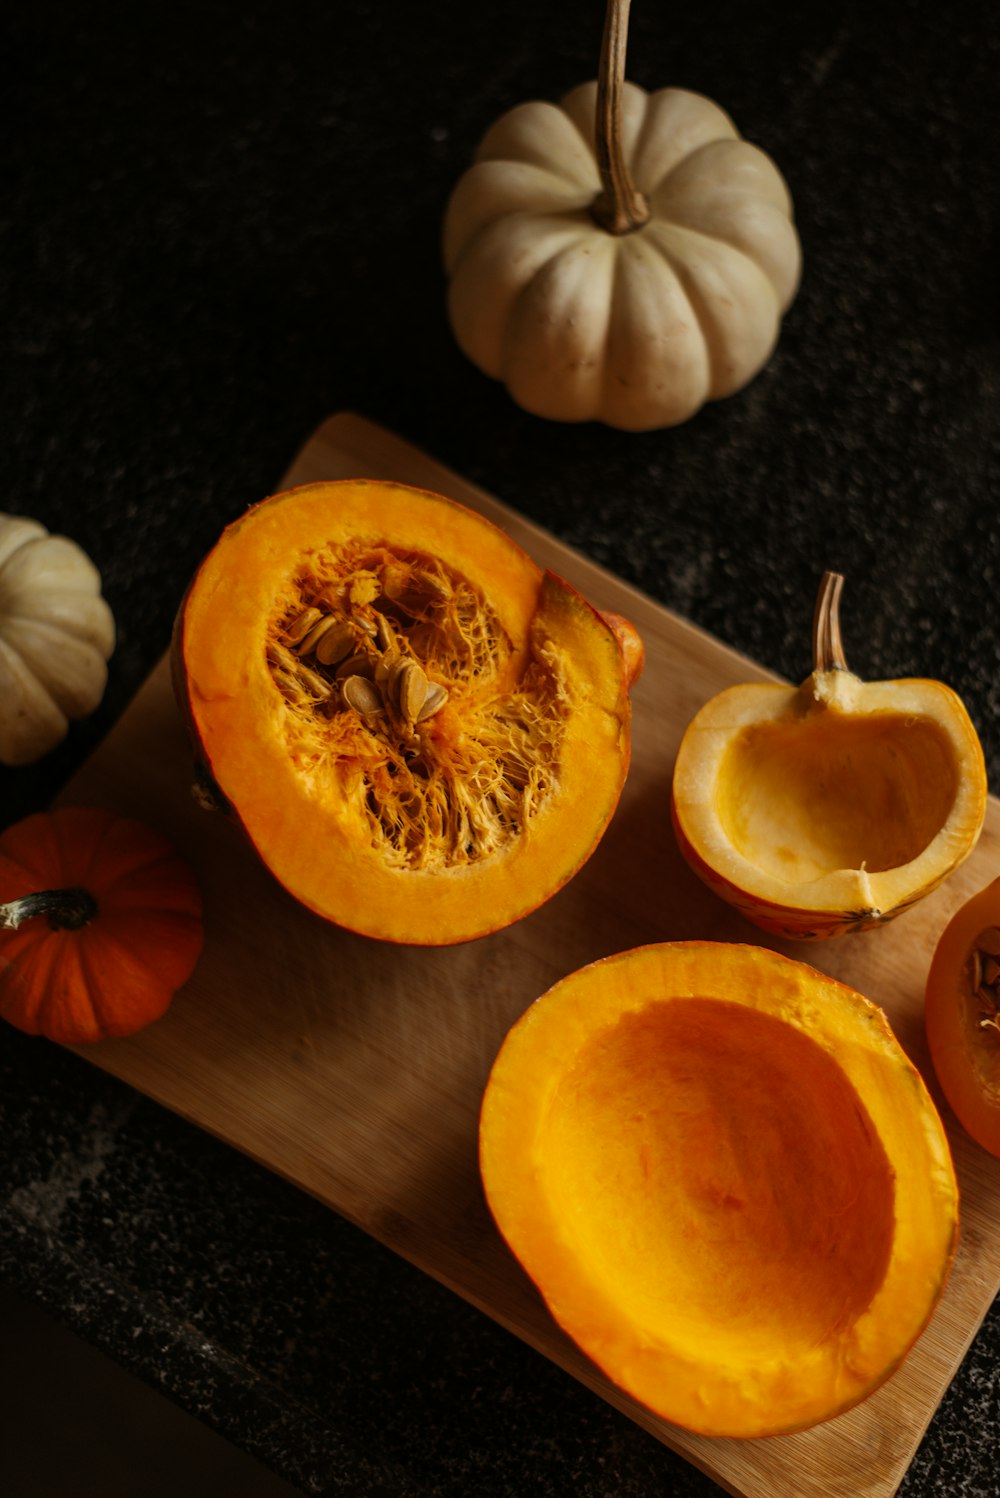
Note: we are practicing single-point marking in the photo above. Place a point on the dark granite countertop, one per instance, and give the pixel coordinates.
(220, 224)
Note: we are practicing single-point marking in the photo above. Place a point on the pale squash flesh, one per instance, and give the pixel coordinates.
(834, 806)
(830, 807)
(727, 1181)
(417, 829)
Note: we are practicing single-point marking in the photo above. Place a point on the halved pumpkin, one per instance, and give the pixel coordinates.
(423, 734)
(726, 1179)
(962, 1015)
(833, 806)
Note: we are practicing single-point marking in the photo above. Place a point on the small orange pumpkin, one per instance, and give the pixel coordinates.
(962, 1015)
(100, 924)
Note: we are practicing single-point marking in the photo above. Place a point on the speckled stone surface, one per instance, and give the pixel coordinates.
(221, 223)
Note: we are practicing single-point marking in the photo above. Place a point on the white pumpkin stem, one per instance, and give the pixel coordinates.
(619, 207)
(67, 909)
(828, 648)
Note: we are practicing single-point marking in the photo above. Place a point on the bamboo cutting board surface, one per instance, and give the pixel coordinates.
(356, 1070)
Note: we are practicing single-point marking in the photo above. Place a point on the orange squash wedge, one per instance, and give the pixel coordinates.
(962, 1015)
(422, 733)
(727, 1181)
(833, 806)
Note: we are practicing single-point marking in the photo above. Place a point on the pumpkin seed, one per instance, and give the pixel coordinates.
(435, 697)
(301, 625)
(358, 664)
(336, 644)
(409, 687)
(384, 636)
(317, 686)
(391, 677)
(387, 665)
(281, 657)
(429, 583)
(290, 673)
(362, 695)
(307, 645)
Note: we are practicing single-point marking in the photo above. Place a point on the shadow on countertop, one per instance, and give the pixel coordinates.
(76, 1425)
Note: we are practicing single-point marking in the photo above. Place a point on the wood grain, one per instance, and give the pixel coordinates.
(356, 1070)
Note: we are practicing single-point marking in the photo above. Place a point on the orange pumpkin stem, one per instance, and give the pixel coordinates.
(828, 649)
(66, 909)
(619, 207)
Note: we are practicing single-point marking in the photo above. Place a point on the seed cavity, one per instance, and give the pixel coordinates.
(376, 642)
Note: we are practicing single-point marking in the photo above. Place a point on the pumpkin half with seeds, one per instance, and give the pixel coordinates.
(422, 732)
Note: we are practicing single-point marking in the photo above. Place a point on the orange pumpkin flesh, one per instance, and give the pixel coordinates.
(108, 960)
(962, 1015)
(726, 1179)
(429, 831)
(833, 806)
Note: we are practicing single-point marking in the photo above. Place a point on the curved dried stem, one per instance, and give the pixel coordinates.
(66, 909)
(619, 207)
(828, 649)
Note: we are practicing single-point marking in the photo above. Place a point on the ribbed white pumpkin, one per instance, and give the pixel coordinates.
(56, 634)
(636, 329)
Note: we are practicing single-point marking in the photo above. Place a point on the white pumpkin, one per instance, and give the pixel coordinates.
(56, 634)
(637, 325)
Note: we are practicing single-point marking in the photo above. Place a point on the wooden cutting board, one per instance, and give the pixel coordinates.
(356, 1070)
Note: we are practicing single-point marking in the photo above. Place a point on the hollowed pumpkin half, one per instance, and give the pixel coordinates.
(962, 1015)
(423, 734)
(833, 806)
(726, 1179)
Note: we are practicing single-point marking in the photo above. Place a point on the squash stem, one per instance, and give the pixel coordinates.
(619, 207)
(66, 909)
(828, 648)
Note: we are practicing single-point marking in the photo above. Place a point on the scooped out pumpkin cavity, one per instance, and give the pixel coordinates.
(740, 1182)
(726, 1179)
(422, 732)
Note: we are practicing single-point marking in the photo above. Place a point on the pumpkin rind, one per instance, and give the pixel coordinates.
(637, 330)
(120, 971)
(313, 800)
(962, 1019)
(727, 1181)
(56, 635)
